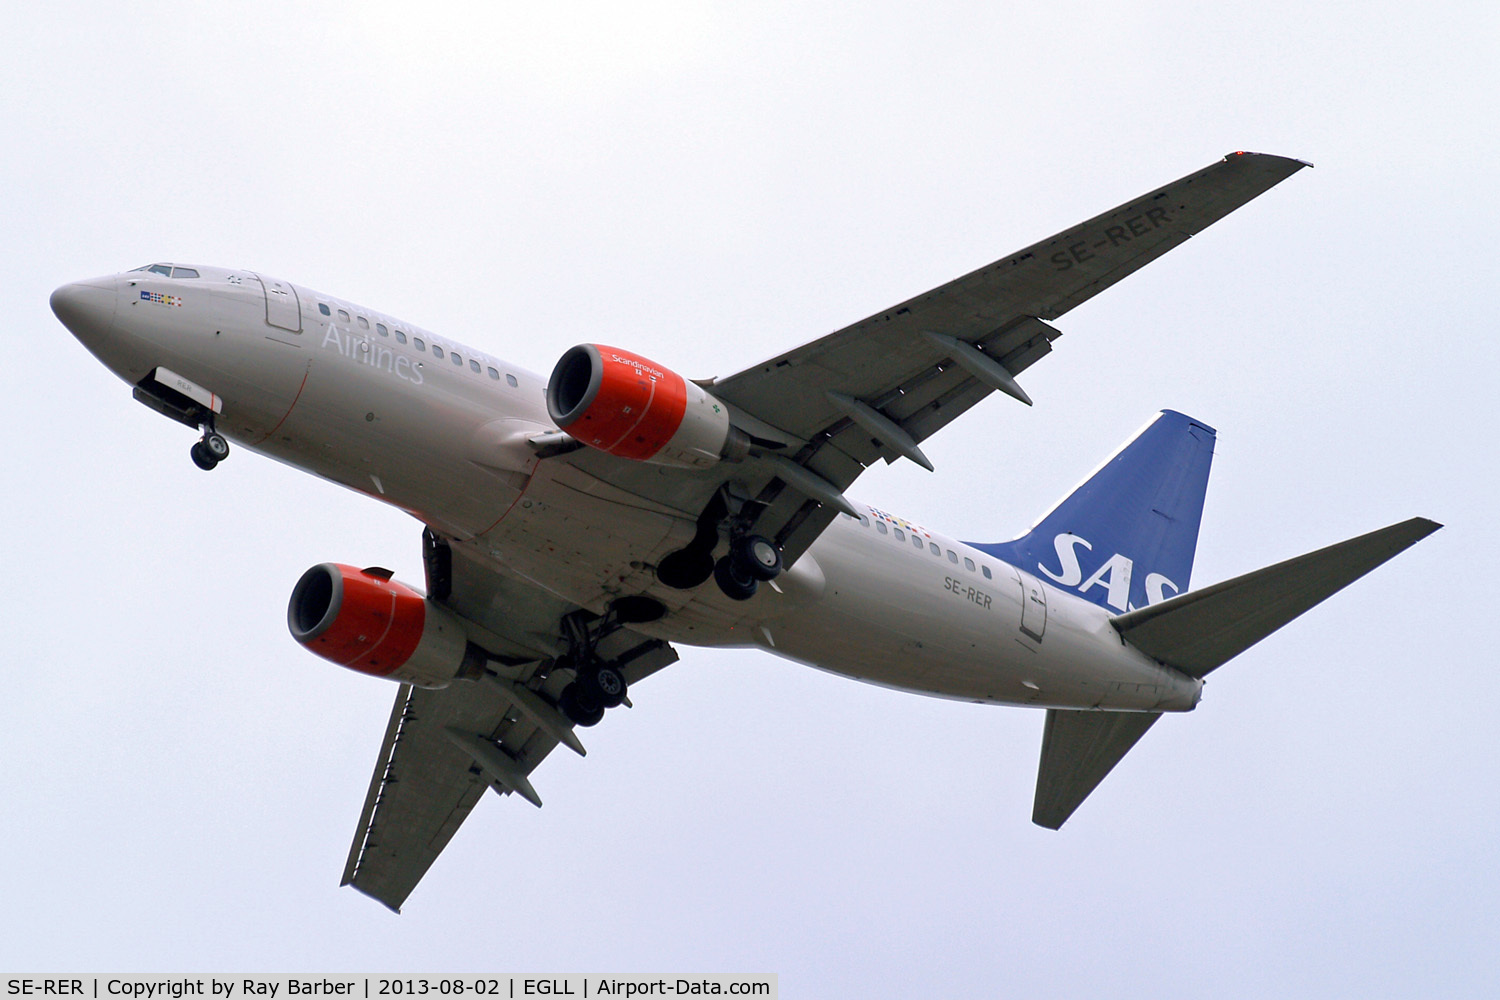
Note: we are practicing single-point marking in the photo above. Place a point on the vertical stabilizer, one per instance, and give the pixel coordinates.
(1126, 537)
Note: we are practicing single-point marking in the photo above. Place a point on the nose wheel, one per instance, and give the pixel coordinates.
(210, 450)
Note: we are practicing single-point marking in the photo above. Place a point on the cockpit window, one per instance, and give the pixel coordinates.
(165, 270)
(184, 272)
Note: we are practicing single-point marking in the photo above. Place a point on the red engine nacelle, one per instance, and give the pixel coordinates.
(364, 620)
(631, 407)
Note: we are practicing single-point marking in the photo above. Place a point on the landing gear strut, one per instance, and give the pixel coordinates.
(212, 449)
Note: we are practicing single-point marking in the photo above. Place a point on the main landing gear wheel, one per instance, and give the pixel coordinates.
(733, 580)
(603, 684)
(580, 708)
(757, 556)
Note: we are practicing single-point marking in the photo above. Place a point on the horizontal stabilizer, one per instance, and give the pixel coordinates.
(1078, 749)
(1200, 630)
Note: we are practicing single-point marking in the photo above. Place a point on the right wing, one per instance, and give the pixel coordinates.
(443, 748)
(877, 388)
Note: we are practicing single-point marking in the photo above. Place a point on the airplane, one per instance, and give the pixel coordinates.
(577, 528)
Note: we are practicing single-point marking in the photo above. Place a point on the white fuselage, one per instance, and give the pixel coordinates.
(367, 401)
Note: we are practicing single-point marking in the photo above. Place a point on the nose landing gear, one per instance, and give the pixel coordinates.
(212, 449)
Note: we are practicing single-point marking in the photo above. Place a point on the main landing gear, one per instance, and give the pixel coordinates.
(598, 684)
(211, 449)
(751, 559)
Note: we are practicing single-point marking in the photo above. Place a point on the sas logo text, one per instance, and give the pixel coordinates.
(1113, 574)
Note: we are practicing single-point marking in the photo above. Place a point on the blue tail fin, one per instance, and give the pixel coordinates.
(1126, 537)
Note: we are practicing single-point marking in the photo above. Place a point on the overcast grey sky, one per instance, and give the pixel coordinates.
(708, 185)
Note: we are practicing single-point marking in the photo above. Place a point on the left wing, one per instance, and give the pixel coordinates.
(443, 748)
(426, 781)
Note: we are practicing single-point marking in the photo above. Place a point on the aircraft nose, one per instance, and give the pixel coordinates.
(87, 308)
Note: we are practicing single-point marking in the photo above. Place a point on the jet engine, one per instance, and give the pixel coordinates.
(364, 620)
(623, 404)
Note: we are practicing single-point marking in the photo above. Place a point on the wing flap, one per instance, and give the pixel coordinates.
(1200, 630)
(1079, 748)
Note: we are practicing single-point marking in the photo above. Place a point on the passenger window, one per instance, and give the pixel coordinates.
(935, 550)
(987, 574)
(344, 315)
(364, 324)
(880, 526)
(864, 520)
(917, 542)
(323, 308)
(968, 564)
(510, 380)
(474, 366)
(400, 337)
(900, 535)
(493, 374)
(953, 557)
(184, 272)
(457, 360)
(380, 329)
(437, 351)
(418, 341)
